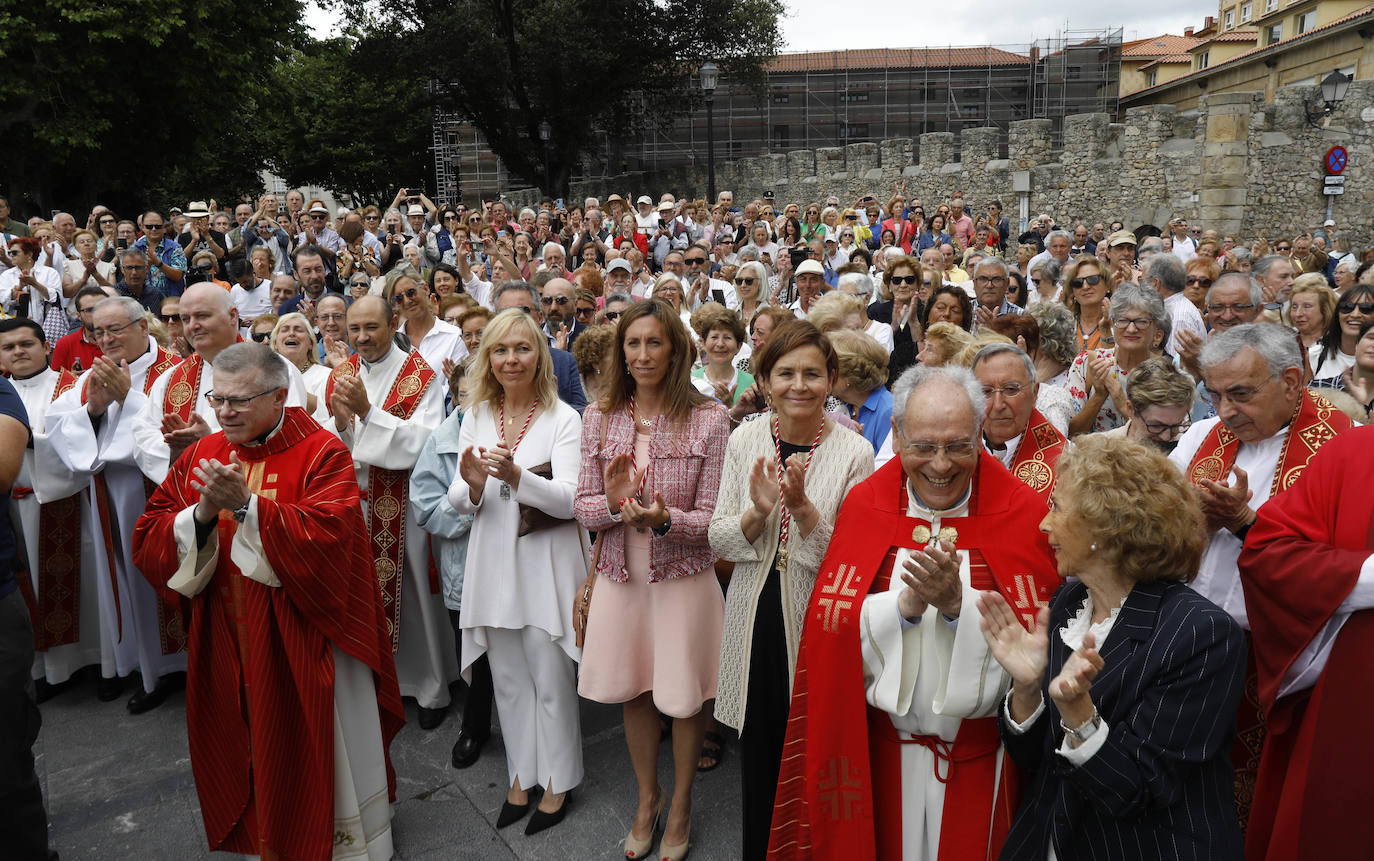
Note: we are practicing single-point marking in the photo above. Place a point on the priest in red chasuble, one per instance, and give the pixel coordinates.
(291, 696)
(1307, 569)
(892, 748)
(1014, 431)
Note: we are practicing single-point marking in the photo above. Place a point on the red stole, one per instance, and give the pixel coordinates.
(183, 388)
(1301, 559)
(260, 679)
(55, 603)
(1315, 421)
(1040, 448)
(388, 490)
(825, 805)
(170, 625)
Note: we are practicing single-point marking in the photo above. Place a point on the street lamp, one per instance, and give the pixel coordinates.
(545, 131)
(709, 75)
(1333, 90)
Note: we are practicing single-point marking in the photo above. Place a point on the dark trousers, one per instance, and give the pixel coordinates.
(765, 719)
(477, 706)
(23, 822)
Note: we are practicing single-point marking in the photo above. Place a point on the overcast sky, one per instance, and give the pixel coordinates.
(822, 25)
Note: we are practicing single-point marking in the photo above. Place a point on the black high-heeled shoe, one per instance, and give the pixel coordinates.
(541, 820)
(512, 813)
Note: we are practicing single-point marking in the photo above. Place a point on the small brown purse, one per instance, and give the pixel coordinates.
(582, 601)
(531, 518)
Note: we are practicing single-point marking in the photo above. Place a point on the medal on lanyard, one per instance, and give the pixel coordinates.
(501, 432)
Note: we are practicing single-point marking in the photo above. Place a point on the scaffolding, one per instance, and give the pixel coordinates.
(833, 98)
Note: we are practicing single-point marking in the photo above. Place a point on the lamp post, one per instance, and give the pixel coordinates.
(709, 76)
(545, 131)
(1333, 90)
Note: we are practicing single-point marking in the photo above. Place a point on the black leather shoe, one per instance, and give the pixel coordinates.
(43, 691)
(108, 690)
(467, 749)
(541, 820)
(513, 813)
(430, 718)
(143, 701)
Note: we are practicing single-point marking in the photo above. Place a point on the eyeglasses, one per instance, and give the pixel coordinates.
(147, 226)
(1008, 391)
(903, 279)
(746, 281)
(695, 261)
(372, 218)
(585, 312)
(984, 280)
(1283, 248)
(1236, 309)
(612, 316)
(400, 295)
(560, 301)
(1235, 394)
(1139, 324)
(318, 217)
(218, 402)
(260, 337)
(111, 331)
(1345, 306)
(329, 318)
(1198, 279)
(1160, 428)
(958, 450)
(1090, 280)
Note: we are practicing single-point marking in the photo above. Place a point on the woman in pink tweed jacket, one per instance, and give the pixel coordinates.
(652, 450)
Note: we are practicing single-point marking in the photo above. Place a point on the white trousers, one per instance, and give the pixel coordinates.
(535, 687)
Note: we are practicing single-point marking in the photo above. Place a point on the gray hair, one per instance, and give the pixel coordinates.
(1049, 268)
(133, 311)
(1133, 297)
(918, 376)
(131, 252)
(863, 279)
(760, 272)
(1150, 245)
(992, 262)
(1057, 331)
(620, 297)
(748, 254)
(1059, 234)
(1262, 266)
(524, 286)
(1167, 271)
(1275, 343)
(1256, 291)
(1241, 253)
(998, 349)
(251, 356)
(552, 246)
(527, 211)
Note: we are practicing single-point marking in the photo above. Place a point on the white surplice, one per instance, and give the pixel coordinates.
(928, 677)
(425, 659)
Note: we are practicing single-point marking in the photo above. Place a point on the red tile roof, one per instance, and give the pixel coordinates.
(1159, 46)
(877, 58)
(1236, 36)
(1171, 59)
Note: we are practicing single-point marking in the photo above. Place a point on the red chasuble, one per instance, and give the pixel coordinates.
(1300, 561)
(837, 797)
(55, 605)
(388, 490)
(260, 680)
(1040, 448)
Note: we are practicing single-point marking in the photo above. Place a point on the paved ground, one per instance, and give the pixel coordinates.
(119, 786)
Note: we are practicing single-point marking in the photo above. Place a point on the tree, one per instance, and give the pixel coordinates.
(589, 68)
(355, 126)
(137, 102)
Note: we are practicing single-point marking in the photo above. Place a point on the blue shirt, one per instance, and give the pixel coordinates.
(12, 406)
(170, 254)
(876, 417)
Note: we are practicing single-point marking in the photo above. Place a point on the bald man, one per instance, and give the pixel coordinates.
(177, 413)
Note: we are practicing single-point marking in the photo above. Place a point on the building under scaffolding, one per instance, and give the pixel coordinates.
(832, 98)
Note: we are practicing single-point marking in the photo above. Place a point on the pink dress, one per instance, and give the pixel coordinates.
(663, 637)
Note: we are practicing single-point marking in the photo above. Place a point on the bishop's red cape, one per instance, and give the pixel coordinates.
(1301, 559)
(260, 680)
(839, 791)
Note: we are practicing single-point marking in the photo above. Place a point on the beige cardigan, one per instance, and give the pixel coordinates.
(842, 460)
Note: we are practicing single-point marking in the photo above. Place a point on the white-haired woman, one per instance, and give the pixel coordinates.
(517, 476)
(294, 338)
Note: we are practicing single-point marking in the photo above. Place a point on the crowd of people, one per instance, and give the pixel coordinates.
(969, 542)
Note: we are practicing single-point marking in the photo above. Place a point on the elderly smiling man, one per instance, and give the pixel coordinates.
(291, 698)
(893, 622)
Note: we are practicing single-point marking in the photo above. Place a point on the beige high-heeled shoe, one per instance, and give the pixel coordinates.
(667, 852)
(635, 848)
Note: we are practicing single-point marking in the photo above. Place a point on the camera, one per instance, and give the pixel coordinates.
(799, 255)
(199, 274)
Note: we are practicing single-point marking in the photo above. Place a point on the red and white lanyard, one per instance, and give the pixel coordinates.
(639, 491)
(785, 526)
(501, 426)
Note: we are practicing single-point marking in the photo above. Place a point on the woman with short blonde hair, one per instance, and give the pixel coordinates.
(1311, 306)
(1088, 283)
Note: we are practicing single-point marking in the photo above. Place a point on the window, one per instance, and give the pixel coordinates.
(857, 96)
(1306, 21)
(781, 98)
(1273, 34)
(1203, 59)
(1245, 11)
(1154, 79)
(1230, 18)
(781, 138)
(1270, 6)
(853, 130)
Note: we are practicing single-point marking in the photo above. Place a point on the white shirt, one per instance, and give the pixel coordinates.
(251, 303)
(442, 341)
(51, 280)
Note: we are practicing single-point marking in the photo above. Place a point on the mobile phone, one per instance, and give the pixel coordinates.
(121, 243)
(558, 204)
(718, 295)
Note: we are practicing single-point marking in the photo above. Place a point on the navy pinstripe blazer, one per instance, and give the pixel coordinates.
(1161, 786)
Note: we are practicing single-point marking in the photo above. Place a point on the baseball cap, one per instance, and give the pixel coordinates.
(810, 267)
(644, 198)
(1121, 237)
(618, 263)
(1328, 223)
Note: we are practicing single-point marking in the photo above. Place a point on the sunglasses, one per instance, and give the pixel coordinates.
(695, 261)
(1284, 248)
(412, 294)
(260, 336)
(585, 312)
(560, 301)
(107, 221)
(166, 318)
(147, 226)
(747, 282)
(1346, 307)
(1090, 280)
(1197, 279)
(612, 316)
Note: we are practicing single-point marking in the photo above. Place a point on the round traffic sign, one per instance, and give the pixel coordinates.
(1335, 159)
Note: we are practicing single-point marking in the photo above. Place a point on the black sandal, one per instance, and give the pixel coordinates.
(712, 751)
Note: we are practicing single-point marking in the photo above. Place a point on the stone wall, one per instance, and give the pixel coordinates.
(1236, 163)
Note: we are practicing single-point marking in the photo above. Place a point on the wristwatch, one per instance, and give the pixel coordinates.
(1086, 731)
(662, 529)
(241, 513)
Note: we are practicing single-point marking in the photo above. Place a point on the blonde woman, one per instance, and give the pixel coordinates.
(85, 269)
(1311, 306)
